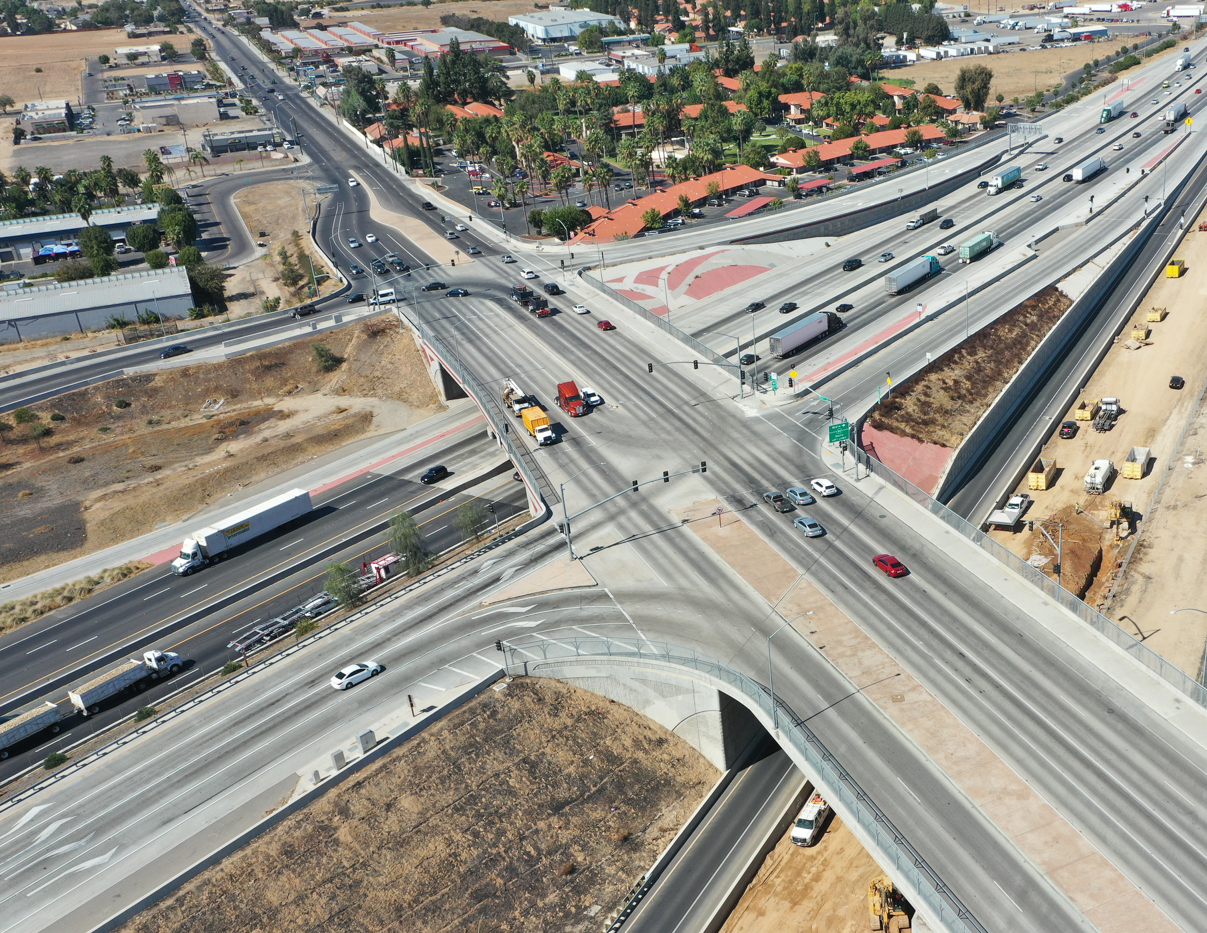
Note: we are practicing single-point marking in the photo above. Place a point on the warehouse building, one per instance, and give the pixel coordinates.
(559, 25)
(61, 308)
(242, 140)
(31, 237)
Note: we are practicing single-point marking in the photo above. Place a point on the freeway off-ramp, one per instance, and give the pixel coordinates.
(1100, 742)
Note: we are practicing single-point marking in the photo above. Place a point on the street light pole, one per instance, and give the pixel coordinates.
(565, 515)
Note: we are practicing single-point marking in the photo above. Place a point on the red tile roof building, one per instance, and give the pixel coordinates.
(840, 151)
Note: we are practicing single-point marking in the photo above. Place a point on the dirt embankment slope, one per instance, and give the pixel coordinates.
(531, 809)
(128, 455)
(943, 402)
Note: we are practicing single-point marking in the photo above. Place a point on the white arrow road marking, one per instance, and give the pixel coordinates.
(483, 615)
(507, 575)
(83, 866)
(42, 837)
(33, 811)
(53, 852)
(486, 564)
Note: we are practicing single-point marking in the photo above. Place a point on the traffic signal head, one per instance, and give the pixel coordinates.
(695, 364)
(651, 366)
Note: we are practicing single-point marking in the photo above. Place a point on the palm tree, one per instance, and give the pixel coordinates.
(521, 192)
(588, 183)
(155, 166)
(239, 164)
(83, 207)
(199, 159)
(603, 178)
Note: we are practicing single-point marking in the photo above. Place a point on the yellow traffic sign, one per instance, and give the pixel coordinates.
(793, 374)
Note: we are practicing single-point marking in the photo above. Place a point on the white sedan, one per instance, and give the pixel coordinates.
(581, 309)
(1118, 147)
(591, 397)
(371, 238)
(353, 183)
(824, 487)
(1037, 197)
(353, 674)
(529, 274)
(462, 227)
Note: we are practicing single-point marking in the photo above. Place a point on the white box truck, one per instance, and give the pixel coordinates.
(210, 545)
(791, 339)
(1183, 62)
(911, 273)
(1174, 115)
(129, 677)
(1087, 170)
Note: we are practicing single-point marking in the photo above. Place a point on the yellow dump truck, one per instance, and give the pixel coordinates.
(1087, 410)
(1175, 269)
(537, 423)
(1041, 474)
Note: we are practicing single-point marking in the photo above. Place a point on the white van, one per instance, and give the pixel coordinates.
(383, 296)
(807, 828)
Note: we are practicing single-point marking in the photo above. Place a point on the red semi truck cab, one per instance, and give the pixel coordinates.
(569, 400)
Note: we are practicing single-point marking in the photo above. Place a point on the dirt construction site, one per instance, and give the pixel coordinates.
(1163, 515)
(110, 462)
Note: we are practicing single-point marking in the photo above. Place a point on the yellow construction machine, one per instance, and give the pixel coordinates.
(890, 912)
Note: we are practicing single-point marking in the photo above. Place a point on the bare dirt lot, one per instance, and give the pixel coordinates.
(946, 398)
(1166, 571)
(136, 452)
(1015, 74)
(277, 210)
(416, 17)
(60, 55)
(533, 808)
(822, 889)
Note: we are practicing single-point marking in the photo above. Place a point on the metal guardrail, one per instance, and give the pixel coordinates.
(1164, 669)
(909, 867)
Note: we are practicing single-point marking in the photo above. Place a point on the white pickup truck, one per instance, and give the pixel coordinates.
(1011, 513)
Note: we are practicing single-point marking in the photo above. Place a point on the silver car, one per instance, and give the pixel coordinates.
(798, 496)
(809, 527)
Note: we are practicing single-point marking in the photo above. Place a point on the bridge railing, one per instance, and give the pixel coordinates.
(1163, 668)
(909, 869)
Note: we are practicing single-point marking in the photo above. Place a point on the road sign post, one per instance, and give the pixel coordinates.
(841, 431)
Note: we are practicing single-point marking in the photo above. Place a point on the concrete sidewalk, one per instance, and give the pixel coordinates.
(373, 454)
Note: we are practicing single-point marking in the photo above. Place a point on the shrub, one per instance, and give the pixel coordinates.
(230, 667)
(120, 403)
(304, 628)
(144, 713)
(58, 416)
(54, 759)
(25, 415)
(76, 459)
(567, 869)
(324, 358)
(104, 429)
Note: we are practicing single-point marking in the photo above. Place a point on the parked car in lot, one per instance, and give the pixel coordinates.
(1068, 429)
(823, 487)
(434, 474)
(890, 565)
(777, 501)
(798, 496)
(169, 352)
(353, 674)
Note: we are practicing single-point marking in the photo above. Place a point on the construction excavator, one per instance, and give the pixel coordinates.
(890, 912)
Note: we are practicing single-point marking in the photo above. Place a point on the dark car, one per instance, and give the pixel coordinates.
(1067, 177)
(1058, 140)
(1068, 429)
(456, 293)
(748, 358)
(890, 565)
(552, 288)
(777, 501)
(435, 473)
(844, 308)
(788, 307)
(851, 265)
(434, 286)
(947, 224)
(754, 306)
(1136, 135)
(982, 184)
(428, 206)
(1101, 129)
(169, 352)
(356, 270)
(303, 311)
(1176, 382)
(379, 267)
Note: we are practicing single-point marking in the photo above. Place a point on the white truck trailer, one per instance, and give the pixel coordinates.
(44, 718)
(129, 677)
(1087, 170)
(210, 545)
(813, 327)
(911, 273)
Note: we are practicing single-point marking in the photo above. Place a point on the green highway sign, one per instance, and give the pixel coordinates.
(840, 432)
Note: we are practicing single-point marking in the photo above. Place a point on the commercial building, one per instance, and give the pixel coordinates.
(559, 25)
(242, 140)
(75, 307)
(179, 111)
(137, 54)
(29, 237)
(45, 117)
(173, 82)
(432, 43)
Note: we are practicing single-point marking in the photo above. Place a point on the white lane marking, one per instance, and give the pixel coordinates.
(84, 642)
(379, 502)
(1008, 897)
(458, 671)
(33, 811)
(40, 647)
(153, 595)
(42, 837)
(429, 686)
(483, 615)
(191, 592)
(910, 792)
(508, 574)
(486, 565)
(83, 866)
(1179, 793)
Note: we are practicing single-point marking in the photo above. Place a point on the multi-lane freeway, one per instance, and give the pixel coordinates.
(1101, 750)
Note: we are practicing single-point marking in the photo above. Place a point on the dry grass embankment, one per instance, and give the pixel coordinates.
(945, 399)
(532, 808)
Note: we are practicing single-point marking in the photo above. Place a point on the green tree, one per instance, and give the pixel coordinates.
(156, 259)
(343, 586)
(652, 218)
(189, 256)
(564, 222)
(178, 224)
(168, 51)
(470, 520)
(198, 49)
(103, 59)
(95, 241)
(812, 160)
(590, 40)
(406, 540)
(37, 432)
(536, 218)
(208, 284)
(324, 357)
(6, 101)
(685, 206)
(860, 149)
(913, 137)
(25, 416)
(268, 305)
(755, 156)
(792, 186)
(972, 86)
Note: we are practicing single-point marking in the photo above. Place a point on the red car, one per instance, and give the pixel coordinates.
(606, 325)
(890, 565)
